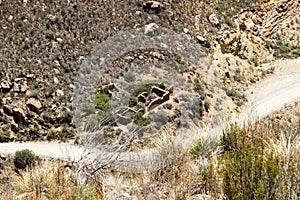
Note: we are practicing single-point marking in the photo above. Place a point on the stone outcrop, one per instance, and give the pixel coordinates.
(214, 20)
(150, 28)
(19, 115)
(7, 110)
(144, 99)
(34, 105)
(153, 6)
(6, 86)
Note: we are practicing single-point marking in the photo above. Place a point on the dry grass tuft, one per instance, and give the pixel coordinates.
(51, 180)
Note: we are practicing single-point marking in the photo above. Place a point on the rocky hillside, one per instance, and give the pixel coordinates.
(44, 42)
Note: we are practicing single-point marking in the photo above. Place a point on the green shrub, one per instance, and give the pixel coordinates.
(139, 120)
(106, 118)
(24, 158)
(198, 88)
(84, 192)
(204, 147)
(168, 106)
(132, 101)
(50, 34)
(35, 93)
(4, 136)
(102, 101)
(144, 87)
(129, 77)
(51, 133)
(231, 92)
(285, 51)
(248, 172)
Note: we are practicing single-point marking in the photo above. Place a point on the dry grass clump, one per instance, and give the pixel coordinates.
(51, 180)
(286, 145)
(178, 180)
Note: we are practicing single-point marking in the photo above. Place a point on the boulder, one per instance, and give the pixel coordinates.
(34, 105)
(30, 76)
(109, 86)
(200, 38)
(20, 87)
(153, 6)
(24, 87)
(158, 55)
(3, 156)
(14, 126)
(7, 110)
(19, 115)
(6, 86)
(214, 20)
(55, 80)
(59, 92)
(16, 87)
(149, 28)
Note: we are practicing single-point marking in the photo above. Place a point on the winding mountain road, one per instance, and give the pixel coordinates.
(265, 97)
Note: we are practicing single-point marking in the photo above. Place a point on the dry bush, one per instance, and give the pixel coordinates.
(51, 180)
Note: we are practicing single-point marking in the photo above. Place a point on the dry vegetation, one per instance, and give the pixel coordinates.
(258, 162)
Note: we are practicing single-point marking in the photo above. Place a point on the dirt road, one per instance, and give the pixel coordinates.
(266, 97)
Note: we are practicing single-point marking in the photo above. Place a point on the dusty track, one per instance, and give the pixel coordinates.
(266, 97)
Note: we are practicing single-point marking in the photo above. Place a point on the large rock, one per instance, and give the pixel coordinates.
(20, 87)
(153, 6)
(16, 87)
(24, 87)
(150, 28)
(7, 110)
(214, 20)
(6, 86)
(59, 92)
(19, 115)
(34, 105)
(14, 126)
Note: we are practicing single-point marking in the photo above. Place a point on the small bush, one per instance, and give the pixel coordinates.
(4, 136)
(129, 77)
(35, 93)
(132, 101)
(198, 88)
(160, 118)
(139, 120)
(102, 101)
(24, 158)
(144, 87)
(168, 106)
(204, 147)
